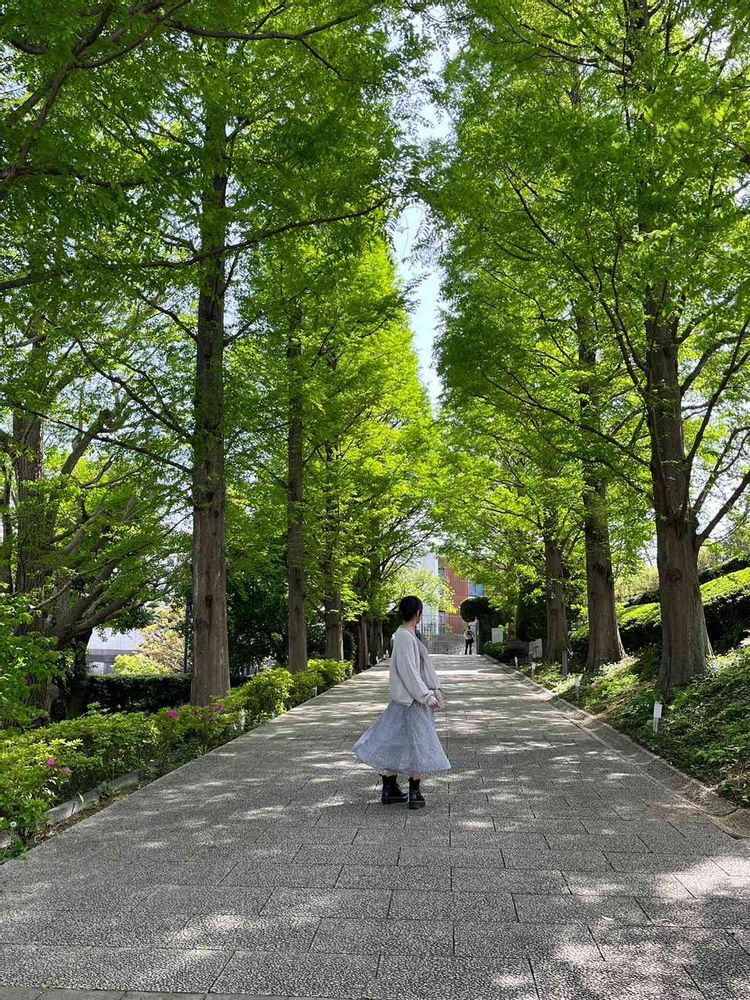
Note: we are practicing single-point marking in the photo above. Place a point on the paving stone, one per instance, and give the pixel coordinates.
(432, 836)
(731, 982)
(327, 854)
(298, 903)
(698, 913)
(454, 857)
(335, 835)
(714, 883)
(660, 863)
(365, 937)
(493, 840)
(494, 880)
(181, 899)
(404, 978)
(571, 981)
(549, 860)
(108, 968)
(400, 877)
(627, 884)
(669, 946)
(24, 993)
(499, 940)
(413, 904)
(312, 975)
(590, 910)
(131, 995)
(738, 867)
(622, 843)
(54, 994)
(233, 931)
(283, 876)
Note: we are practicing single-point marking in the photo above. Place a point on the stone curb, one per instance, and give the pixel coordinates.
(83, 801)
(733, 819)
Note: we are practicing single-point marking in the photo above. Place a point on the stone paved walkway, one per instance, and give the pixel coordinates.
(547, 866)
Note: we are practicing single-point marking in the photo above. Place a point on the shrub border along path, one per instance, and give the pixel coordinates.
(732, 818)
(114, 746)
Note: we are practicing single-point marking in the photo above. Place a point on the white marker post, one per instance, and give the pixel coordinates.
(516, 661)
(533, 668)
(657, 715)
(577, 679)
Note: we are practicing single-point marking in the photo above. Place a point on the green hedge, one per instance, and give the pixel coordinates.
(726, 601)
(138, 694)
(42, 767)
(492, 649)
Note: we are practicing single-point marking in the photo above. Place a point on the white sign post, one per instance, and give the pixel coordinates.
(515, 659)
(536, 649)
(498, 635)
(577, 679)
(657, 715)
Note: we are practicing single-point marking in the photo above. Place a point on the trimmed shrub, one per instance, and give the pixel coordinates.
(138, 693)
(494, 649)
(304, 687)
(42, 767)
(726, 601)
(263, 697)
(331, 671)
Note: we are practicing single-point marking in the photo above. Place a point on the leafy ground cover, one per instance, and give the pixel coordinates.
(42, 767)
(726, 600)
(705, 729)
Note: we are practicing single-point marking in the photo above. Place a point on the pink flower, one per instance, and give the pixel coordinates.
(66, 770)
(172, 713)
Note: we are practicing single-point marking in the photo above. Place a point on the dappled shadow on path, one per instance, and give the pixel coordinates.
(548, 865)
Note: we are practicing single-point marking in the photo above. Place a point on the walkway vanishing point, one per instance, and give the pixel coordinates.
(550, 865)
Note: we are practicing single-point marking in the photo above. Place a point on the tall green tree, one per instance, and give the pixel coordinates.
(613, 138)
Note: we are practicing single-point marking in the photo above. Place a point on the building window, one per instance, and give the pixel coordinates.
(476, 589)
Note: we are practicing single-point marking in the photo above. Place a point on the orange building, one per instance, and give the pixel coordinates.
(461, 588)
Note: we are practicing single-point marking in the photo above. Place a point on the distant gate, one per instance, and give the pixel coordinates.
(450, 645)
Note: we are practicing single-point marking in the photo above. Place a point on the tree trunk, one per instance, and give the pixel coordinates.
(74, 689)
(557, 621)
(334, 627)
(6, 527)
(605, 644)
(30, 531)
(333, 611)
(375, 641)
(363, 651)
(210, 638)
(295, 512)
(685, 644)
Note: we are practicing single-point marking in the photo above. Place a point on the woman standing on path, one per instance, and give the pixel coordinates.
(468, 640)
(404, 739)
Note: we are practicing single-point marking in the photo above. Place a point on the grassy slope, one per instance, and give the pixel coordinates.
(705, 730)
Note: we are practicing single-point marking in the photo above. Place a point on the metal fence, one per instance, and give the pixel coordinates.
(450, 645)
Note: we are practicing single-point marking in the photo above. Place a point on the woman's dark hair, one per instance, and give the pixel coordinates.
(408, 607)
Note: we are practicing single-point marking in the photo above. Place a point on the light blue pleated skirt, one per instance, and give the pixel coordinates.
(404, 739)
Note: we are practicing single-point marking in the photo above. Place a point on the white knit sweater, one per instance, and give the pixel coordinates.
(411, 675)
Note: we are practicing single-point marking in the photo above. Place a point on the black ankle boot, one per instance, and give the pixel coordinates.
(391, 792)
(416, 799)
